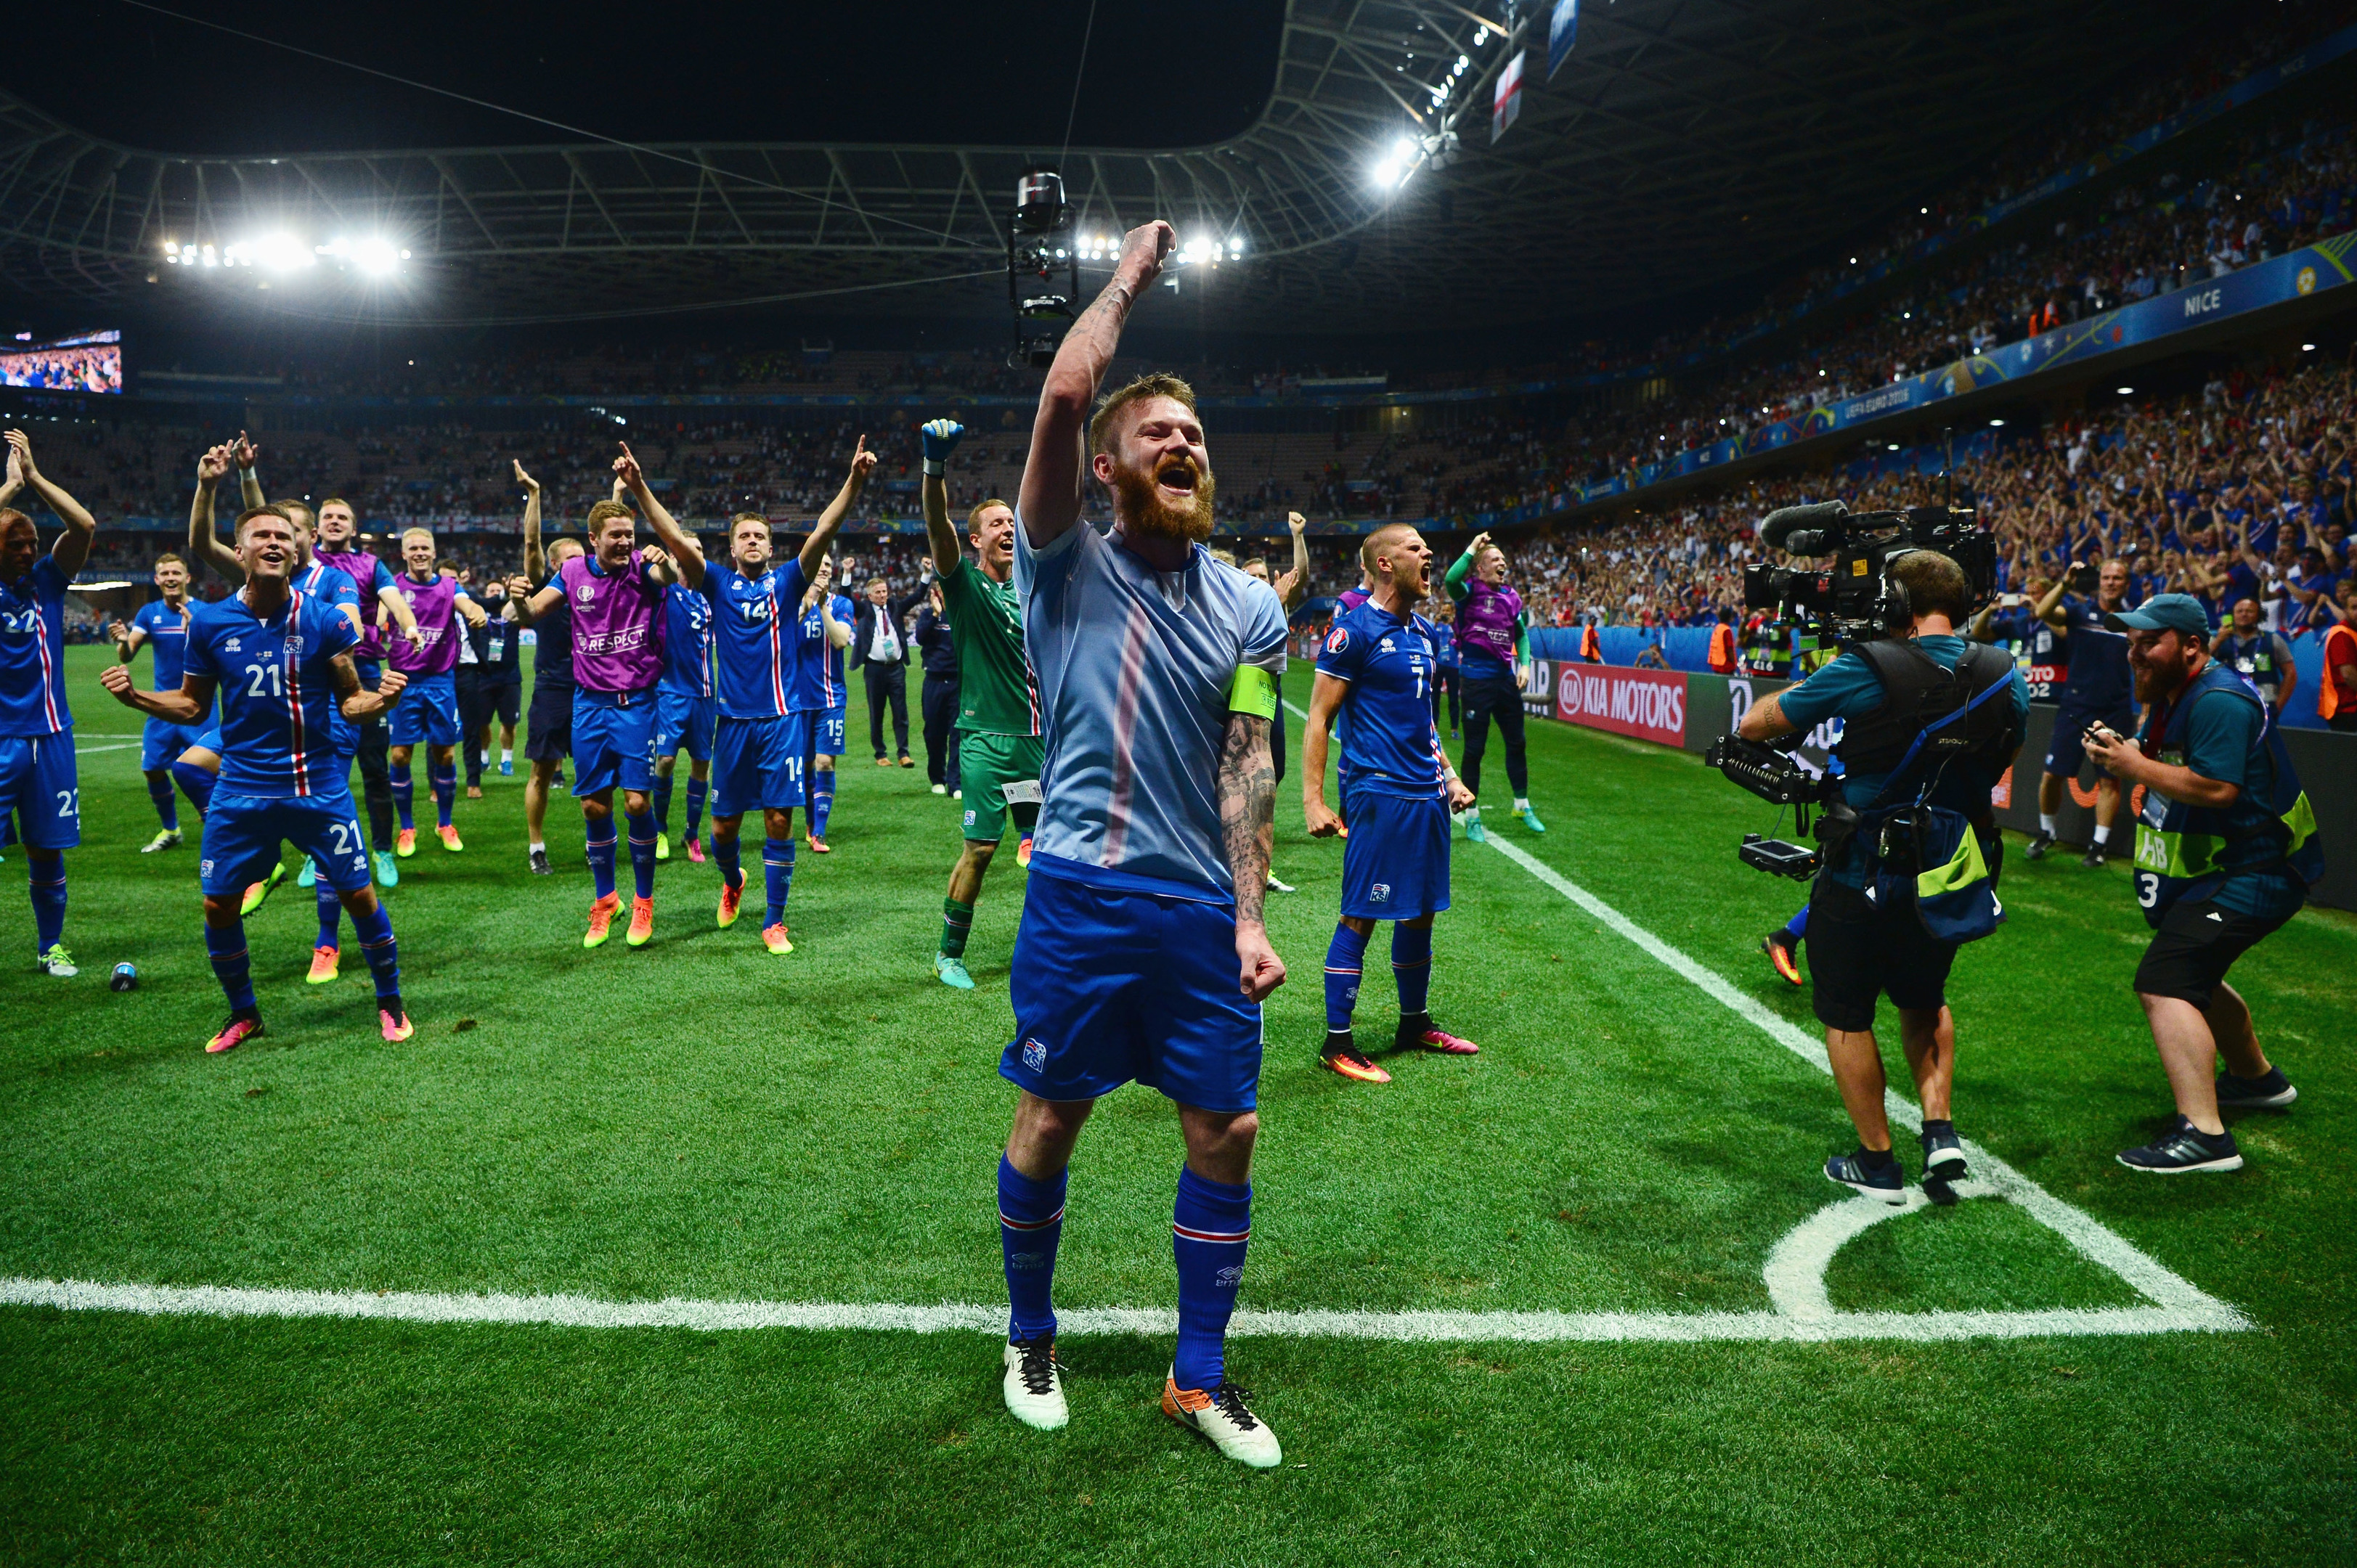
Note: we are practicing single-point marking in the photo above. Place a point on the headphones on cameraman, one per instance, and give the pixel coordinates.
(1894, 613)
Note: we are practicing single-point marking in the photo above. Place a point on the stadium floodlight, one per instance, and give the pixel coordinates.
(2308, 348)
(281, 252)
(2127, 391)
(1997, 423)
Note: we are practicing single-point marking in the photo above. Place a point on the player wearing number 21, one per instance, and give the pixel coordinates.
(279, 657)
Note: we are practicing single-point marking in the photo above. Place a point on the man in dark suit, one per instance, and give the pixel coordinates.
(880, 650)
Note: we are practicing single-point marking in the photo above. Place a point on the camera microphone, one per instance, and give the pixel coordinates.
(1776, 528)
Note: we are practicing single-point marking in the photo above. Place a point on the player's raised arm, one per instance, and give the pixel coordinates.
(535, 560)
(1292, 586)
(205, 546)
(73, 547)
(941, 437)
(822, 531)
(188, 705)
(684, 550)
(243, 453)
(1050, 501)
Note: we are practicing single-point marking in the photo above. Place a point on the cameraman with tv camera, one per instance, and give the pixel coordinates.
(1909, 849)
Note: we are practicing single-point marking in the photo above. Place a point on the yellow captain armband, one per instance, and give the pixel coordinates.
(1252, 691)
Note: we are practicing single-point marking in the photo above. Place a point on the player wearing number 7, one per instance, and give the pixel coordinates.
(1377, 670)
(281, 659)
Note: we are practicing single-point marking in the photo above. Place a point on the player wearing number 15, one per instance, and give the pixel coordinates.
(37, 784)
(281, 660)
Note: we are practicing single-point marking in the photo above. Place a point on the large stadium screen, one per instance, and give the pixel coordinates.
(85, 362)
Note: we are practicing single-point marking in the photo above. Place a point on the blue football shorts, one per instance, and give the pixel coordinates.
(161, 743)
(426, 713)
(1111, 987)
(243, 835)
(1395, 862)
(757, 764)
(613, 741)
(684, 720)
(825, 729)
(40, 787)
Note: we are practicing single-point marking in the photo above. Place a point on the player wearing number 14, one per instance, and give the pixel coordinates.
(281, 660)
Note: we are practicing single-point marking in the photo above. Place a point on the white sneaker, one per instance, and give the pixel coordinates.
(1277, 887)
(1034, 1384)
(940, 789)
(56, 962)
(1220, 1414)
(168, 838)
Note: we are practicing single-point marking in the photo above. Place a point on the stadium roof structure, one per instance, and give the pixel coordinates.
(1685, 142)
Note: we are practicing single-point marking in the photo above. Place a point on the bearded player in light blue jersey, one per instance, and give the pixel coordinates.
(1142, 954)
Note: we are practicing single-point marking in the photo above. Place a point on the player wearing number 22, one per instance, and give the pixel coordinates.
(281, 660)
(1376, 670)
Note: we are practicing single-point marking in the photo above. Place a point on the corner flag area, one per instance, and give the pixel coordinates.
(694, 1247)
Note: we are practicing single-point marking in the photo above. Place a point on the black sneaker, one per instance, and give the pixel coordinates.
(1850, 1170)
(2039, 846)
(2270, 1091)
(540, 862)
(2184, 1148)
(1944, 1158)
(2094, 857)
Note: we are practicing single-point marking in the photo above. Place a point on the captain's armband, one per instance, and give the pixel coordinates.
(1252, 691)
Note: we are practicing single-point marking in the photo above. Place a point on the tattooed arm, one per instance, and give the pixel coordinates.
(1050, 501)
(1247, 785)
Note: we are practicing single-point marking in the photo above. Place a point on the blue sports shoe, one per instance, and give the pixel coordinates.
(1473, 832)
(1530, 819)
(953, 972)
(388, 872)
(1850, 1170)
(309, 875)
(507, 769)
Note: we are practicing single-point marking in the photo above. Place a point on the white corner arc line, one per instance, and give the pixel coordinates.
(2088, 1236)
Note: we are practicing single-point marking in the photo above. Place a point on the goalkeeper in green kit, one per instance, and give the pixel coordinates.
(998, 701)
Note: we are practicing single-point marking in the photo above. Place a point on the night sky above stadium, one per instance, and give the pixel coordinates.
(1000, 73)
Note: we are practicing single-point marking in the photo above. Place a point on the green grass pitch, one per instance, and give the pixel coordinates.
(700, 1120)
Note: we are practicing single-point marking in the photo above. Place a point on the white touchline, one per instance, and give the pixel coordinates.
(1801, 1309)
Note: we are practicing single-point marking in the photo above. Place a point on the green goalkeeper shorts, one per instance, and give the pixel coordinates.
(988, 767)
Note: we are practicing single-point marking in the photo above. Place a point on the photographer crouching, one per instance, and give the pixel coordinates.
(2225, 852)
(1911, 851)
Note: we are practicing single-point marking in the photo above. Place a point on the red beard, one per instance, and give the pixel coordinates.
(1140, 506)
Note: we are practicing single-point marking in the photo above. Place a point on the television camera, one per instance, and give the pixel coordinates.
(1853, 597)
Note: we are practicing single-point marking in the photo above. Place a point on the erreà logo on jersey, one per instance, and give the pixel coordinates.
(234, 644)
(1338, 640)
(1034, 1055)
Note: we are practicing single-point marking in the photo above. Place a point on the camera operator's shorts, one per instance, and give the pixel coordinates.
(2066, 753)
(1858, 953)
(1112, 986)
(2197, 943)
(987, 764)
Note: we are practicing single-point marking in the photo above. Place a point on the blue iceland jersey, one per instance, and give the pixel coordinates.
(33, 652)
(687, 640)
(757, 639)
(278, 692)
(1390, 745)
(166, 631)
(818, 669)
(330, 587)
(1136, 671)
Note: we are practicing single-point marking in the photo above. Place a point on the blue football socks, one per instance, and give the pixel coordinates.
(48, 873)
(724, 850)
(375, 931)
(1030, 1223)
(403, 795)
(663, 802)
(600, 845)
(1345, 959)
(777, 876)
(643, 851)
(1412, 967)
(225, 945)
(445, 777)
(168, 809)
(1210, 1226)
(697, 788)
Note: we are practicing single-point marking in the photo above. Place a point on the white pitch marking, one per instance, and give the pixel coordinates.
(1443, 1328)
(80, 750)
(2090, 1237)
(1794, 1274)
